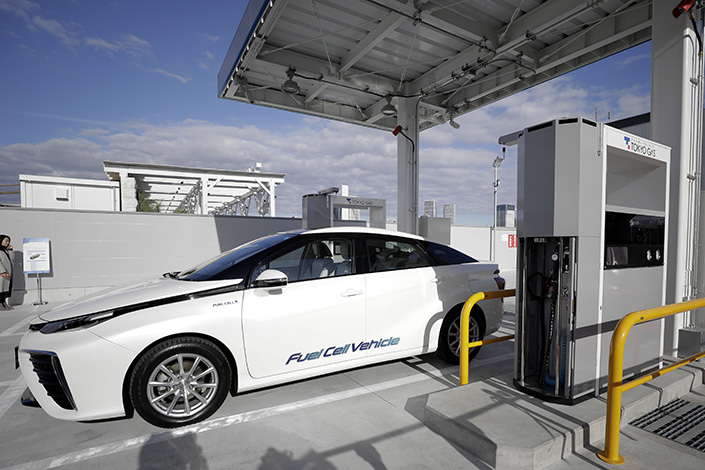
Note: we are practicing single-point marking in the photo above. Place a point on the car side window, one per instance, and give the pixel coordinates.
(389, 255)
(320, 258)
(288, 263)
(447, 255)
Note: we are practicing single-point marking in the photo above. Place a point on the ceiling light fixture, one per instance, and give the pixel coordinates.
(242, 84)
(389, 109)
(290, 86)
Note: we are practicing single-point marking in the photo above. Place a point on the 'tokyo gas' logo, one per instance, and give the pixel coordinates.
(639, 146)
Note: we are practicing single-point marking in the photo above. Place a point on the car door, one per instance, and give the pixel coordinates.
(402, 295)
(316, 320)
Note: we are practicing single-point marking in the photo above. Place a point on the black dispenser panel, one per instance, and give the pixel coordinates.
(633, 240)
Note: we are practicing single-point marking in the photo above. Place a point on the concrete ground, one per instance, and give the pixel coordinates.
(510, 430)
(367, 418)
(364, 418)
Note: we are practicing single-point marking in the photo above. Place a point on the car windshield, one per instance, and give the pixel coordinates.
(211, 268)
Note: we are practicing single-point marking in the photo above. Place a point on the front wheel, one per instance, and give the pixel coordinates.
(179, 382)
(449, 338)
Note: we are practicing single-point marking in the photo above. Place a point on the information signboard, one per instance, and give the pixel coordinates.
(37, 256)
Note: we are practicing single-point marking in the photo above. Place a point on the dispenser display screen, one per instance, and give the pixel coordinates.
(633, 240)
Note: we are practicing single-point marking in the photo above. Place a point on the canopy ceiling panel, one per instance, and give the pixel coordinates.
(350, 58)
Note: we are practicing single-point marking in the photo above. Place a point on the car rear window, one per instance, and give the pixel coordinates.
(390, 255)
(447, 255)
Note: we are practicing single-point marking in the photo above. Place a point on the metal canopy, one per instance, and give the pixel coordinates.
(350, 58)
(197, 190)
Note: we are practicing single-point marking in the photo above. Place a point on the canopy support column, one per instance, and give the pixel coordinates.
(408, 165)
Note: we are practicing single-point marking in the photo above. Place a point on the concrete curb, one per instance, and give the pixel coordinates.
(510, 430)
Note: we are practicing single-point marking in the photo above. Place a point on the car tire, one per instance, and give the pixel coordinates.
(449, 338)
(189, 367)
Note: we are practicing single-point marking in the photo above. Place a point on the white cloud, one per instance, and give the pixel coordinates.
(28, 51)
(455, 165)
(209, 38)
(60, 31)
(134, 46)
(314, 155)
(551, 100)
(620, 103)
(94, 132)
(630, 59)
(75, 158)
(127, 44)
(633, 104)
(209, 58)
(172, 75)
(101, 44)
(59, 117)
(21, 8)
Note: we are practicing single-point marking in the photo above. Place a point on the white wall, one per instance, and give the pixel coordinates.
(94, 250)
(69, 193)
(475, 241)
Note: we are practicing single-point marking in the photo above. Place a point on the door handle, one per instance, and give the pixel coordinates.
(351, 293)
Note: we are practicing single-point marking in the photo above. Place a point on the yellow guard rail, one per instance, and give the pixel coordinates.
(465, 343)
(615, 387)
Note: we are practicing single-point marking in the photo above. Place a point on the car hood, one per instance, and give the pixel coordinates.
(132, 294)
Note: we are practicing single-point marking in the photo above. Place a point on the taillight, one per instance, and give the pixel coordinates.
(499, 280)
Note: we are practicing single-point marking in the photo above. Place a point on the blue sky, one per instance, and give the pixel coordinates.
(85, 81)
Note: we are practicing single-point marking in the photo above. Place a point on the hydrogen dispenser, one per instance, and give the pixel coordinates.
(592, 212)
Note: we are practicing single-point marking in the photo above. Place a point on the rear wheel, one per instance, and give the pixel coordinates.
(449, 339)
(179, 382)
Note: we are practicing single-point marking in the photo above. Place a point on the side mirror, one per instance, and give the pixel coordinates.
(271, 278)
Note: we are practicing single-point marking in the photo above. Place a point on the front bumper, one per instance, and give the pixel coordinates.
(28, 399)
(75, 375)
(47, 366)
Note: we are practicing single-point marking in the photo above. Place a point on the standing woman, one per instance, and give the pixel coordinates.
(7, 255)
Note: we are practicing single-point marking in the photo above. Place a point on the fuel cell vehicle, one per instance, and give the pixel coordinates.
(280, 308)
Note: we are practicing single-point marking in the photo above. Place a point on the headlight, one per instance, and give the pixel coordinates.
(77, 322)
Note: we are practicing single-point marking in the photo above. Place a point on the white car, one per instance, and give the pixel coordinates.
(281, 308)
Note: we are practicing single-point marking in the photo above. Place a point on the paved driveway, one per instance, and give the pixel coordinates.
(365, 418)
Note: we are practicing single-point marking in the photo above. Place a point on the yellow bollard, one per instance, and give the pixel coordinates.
(464, 333)
(614, 392)
(615, 385)
(465, 329)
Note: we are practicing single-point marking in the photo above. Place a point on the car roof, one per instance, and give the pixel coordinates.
(364, 230)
